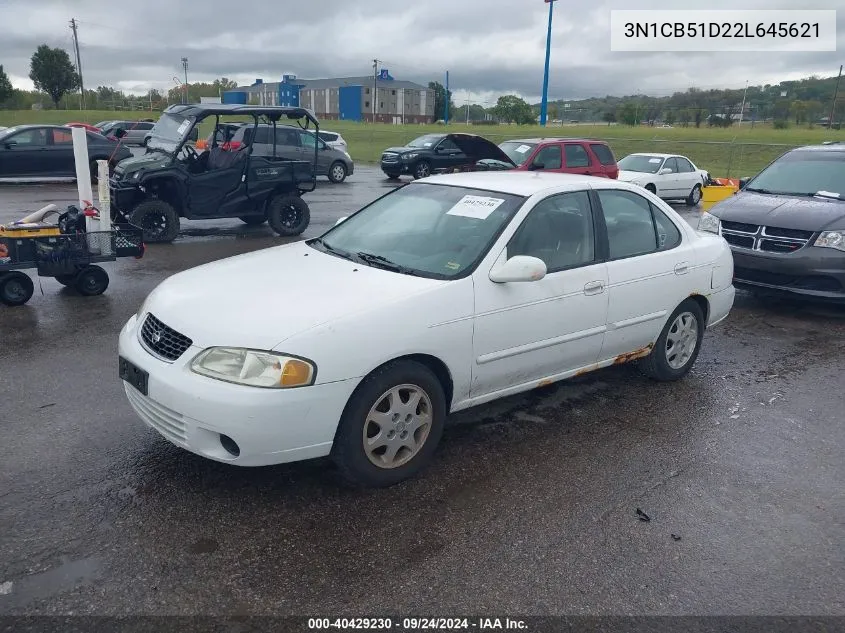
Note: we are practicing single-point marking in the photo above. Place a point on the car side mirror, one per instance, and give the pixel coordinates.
(519, 268)
(339, 220)
(664, 171)
(535, 166)
(10, 144)
(743, 182)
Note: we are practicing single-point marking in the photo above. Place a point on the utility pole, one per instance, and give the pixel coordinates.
(73, 26)
(833, 105)
(467, 109)
(446, 101)
(742, 107)
(375, 87)
(545, 103)
(185, 68)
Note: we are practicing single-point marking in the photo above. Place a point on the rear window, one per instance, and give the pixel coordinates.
(603, 153)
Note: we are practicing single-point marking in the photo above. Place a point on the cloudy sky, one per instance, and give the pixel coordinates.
(490, 47)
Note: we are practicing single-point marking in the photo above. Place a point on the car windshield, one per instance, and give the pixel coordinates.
(428, 230)
(169, 132)
(7, 132)
(641, 163)
(804, 173)
(517, 151)
(427, 140)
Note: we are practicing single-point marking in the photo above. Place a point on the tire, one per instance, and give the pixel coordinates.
(158, 219)
(422, 169)
(651, 188)
(66, 280)
(253, 220)
(659, 365)
(392, 177)
(337, 172)
(91, 281)
(368, 468)
(16, 288)
(288, 215)
(694, 197)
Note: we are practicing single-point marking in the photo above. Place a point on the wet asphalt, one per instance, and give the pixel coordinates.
(530, 506)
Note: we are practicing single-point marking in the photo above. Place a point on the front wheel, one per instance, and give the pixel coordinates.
(288, 215)
(16, 288)
(392, 176)
(422, 169)
(677, 346)
(694, 197)
(337, 172)
(391, 426)
(158, 220)
(91, 281)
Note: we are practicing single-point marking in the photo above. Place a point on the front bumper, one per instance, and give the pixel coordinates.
(396, 168)
(810, 272)
(121, 196)
(269, 426)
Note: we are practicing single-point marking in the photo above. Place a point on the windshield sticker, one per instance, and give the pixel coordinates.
(655, 160)
(426, 144)
(453, 265)
(522, 149)
(183, 127)
(827, 194)
(478, 207)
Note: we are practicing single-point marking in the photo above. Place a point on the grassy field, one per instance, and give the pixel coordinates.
(724, 152)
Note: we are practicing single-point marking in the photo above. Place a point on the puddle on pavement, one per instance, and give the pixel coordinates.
(22, 591)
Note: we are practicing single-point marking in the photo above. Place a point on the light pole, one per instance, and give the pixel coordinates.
(185, 67)
(545, 103)
(742, 107)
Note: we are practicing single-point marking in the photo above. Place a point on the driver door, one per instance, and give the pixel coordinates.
(220, 190)
(447, 155)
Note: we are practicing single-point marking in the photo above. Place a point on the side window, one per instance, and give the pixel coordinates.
(668, 235)
(558, 230)
(549, 157)
(684, 166)
(308, 141)
(603, 153)
(576, 156)
(448, 145)
(672, 164)
(630, 227)
(262, 136)
(36, 137)
(64, 137)
(145, 126)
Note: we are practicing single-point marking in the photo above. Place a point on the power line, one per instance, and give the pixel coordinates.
(73, 27)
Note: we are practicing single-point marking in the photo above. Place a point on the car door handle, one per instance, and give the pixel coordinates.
(594, 288)
(682, 268)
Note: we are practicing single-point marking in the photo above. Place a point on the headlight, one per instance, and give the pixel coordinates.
(709, 223)
(831, 239)
(135, 175)
(410, 156)
(254, 368)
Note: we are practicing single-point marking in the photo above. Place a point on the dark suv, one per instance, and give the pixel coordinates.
(432, 153)
(786, 226)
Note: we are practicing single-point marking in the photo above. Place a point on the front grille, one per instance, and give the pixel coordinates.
(163, 341)
(771, 239)
(819, 283)
(169, 423)
(389, 158)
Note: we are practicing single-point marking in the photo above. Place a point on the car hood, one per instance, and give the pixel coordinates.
(260, 299)
(152, 159)
(805, 214)
(631, 176)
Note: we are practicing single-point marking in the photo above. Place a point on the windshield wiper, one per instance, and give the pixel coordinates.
(830, 195)
(334, 251)
(769, 191)
(383, 262)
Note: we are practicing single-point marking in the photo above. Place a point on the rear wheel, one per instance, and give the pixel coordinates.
(288, 215)
(677, 346)
(694, 197)
(253, 220)
(91, 281)
(158, 219)
(337, 172)
(16, 288)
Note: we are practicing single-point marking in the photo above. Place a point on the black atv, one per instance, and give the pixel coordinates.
(173, 180)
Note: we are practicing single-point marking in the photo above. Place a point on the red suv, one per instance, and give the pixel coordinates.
(563, 155)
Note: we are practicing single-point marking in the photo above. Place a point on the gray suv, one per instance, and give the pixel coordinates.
(296, 144)
(136, 131)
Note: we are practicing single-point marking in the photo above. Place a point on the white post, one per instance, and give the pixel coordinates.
(83, 171)
(103, 196)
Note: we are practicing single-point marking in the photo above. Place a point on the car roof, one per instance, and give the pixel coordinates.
(553, 139)
(655, 154)
(522, 183)
(830, 146)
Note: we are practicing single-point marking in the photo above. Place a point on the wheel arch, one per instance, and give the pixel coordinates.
(703, 303)
(167, 188)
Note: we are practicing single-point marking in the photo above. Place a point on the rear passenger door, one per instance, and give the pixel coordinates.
(668, 185)
(647, 269)
(606, 159)
(687, 176)
(577, 160)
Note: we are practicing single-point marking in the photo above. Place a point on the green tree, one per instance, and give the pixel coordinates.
(609, 117)
(513, 109)
(627, 113)
(669, 119)
(440, 97)
(684, 116)
(52, 72)
(6, 90)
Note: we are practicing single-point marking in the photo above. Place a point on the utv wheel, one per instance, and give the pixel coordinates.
(391, 425)
(253, 220)
(91, 281)
(337, 172)
(422, 169)
(677, 346)
(157, 219)
(16, 288)
(694, 197)
(288, 215)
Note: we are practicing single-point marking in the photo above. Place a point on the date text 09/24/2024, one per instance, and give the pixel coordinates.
(417, 623)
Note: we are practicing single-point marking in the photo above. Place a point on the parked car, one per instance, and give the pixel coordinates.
(136, 131)
(446, 293)
(432, 153)
(294, 143)
(334, 139)
(786, 226)
(46, 151)
(87, 126)
(588, 157)
(670, 176)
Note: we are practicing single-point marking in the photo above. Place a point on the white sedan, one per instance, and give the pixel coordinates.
(446, 293)
(670, 176)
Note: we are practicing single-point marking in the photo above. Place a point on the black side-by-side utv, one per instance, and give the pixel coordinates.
(172, 180)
